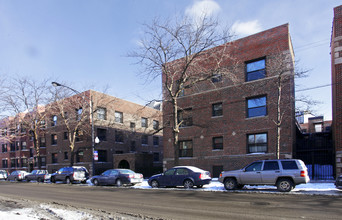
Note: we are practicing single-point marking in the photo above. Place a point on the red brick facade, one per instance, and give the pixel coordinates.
(336, 67)
(234, 126)
(117, 137)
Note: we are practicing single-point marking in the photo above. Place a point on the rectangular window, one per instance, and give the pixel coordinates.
(79, 135)
(217, 109)
(43, 161)
(144, 122)
(132, 125)
(54, 157)
(271, 165)
(257, 143)
(4, 163)
(255, 70)
(66, 135)
(144, 140)
(17, 144)
(319, 127)
(42, 124)
(155, 141)
(102, 134)
(217, 143)
(133, 146)
(4, 148)
(185, 117)
(80, 156)
(66, 157)
(289, 165)
(23, 162)
(118, 117)
(101, 113)
(54, 139)
(12, 163)
(119, 137)
(79, 114)
(155, 125)
(256, 107)
(42, 142)
(54, 120)
(102, 155)
(185, 149)
(155, 157)
(23, 145)
(12, 146)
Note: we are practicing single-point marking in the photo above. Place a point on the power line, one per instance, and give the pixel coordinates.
(316, 87)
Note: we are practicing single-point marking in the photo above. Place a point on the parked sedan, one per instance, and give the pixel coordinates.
(17, 175)
(117, 177)
(187, 176)
(38, 175)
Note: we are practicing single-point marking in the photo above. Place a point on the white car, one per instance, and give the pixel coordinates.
(3, 174)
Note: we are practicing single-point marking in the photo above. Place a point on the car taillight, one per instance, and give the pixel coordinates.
(201, 176)
(303, 173)
(131, 176)
(220, 175)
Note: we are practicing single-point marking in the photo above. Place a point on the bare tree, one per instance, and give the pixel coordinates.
(25, 99)
(186, 54)
(74, 114)
(284, 71)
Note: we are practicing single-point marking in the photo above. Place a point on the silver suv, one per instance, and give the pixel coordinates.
(285, 174)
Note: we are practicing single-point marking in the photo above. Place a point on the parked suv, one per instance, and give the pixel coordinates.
(285, 174)
(70, 175)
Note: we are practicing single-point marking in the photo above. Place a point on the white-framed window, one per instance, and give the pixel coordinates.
(101, 113)
(118, 117)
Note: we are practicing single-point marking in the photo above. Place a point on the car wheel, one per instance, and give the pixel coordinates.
(52, 180)
(188, 184)
(15, 179)
(39, 180)
(67, 180)
(118, 183)
(284, 185)
(27, 180)
(154, 184)
(96, 182)
(230, 184)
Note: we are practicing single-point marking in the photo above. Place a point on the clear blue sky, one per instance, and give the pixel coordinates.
(85, 42)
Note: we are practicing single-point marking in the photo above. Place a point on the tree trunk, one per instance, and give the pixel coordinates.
(37, 148)
(175, 133)
(72, 155)
(279, 119)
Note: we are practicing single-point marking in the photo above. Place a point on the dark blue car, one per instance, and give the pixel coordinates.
(186, 176)
(117, 177)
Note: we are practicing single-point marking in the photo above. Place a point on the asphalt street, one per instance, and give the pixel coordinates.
(179, 204)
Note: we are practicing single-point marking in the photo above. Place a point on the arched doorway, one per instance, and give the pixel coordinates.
(124, 164)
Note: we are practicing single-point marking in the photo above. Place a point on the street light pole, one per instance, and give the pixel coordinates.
(93, 139)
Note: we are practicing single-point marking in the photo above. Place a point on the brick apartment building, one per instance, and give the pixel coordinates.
(128, 133)
(336, 76)
(232, 124)
(17, 151)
